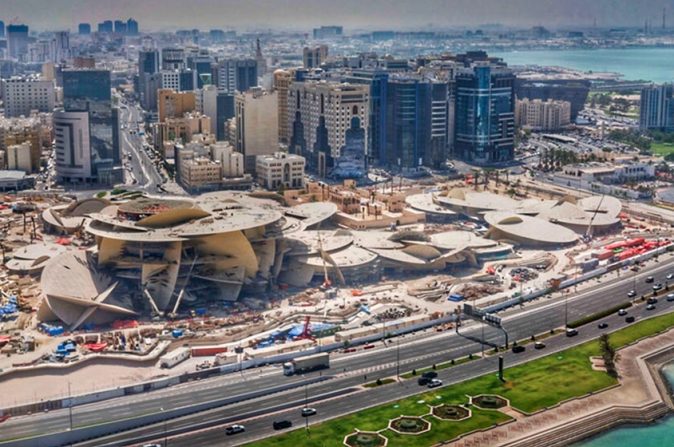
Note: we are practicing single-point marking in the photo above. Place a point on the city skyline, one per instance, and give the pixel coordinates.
(396, 14)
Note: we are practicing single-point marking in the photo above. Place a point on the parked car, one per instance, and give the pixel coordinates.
(280, 425)
(307, 411)
(234, 429)
(434, 382)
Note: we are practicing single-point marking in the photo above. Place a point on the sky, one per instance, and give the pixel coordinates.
(352, 14)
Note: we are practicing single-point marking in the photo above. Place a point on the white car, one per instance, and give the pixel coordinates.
(434, 383)
(234, 429)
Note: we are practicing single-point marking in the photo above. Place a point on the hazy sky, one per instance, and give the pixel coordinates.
(352, 14)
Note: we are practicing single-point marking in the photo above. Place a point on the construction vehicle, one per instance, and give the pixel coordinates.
(306, 364)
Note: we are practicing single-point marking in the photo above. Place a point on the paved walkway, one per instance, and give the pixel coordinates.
(637, 389)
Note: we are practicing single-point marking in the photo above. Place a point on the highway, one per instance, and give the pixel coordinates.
(350, 370)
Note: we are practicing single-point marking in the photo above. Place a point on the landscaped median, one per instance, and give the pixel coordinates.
(529, 387)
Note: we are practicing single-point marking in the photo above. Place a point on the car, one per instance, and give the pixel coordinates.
(629, 320)
(657, 287)
(280, 425)
(434, 383)
(652, 300)
(631, 294)
(423, 381)
(570, 332)
(622, 312)
(602, 325)
(308, 411)
(650, 307)
(430, 374)
(539, 345)
(151, 445)
(670, 297)
(518, 349)
(234, 429)
(649, 279)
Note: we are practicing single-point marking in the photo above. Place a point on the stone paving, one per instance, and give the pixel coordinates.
(637, 388)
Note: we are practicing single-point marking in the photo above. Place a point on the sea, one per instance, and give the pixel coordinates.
(645, 64)
(658, 434)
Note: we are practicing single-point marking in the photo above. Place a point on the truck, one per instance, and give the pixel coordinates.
(306, 364)
(172, 358)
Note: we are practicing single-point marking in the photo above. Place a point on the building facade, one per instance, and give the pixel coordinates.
(542, 115)
(236, 75)
(74, 163)
(27, 93)
(313, 57)
(657, 108)
(256, 117)
(280, 171)
(173, 104)
(281, 83)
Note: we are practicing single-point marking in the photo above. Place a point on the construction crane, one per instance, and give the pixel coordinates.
(306, 330)
(588, 233)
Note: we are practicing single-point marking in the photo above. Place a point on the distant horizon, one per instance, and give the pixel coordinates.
(353, 15)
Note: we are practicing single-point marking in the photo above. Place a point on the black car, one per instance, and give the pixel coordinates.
(570, 332)
(602, 325)
(650, 279)
(280, 425)
(430, 374)
(652, 301)
(650, 307)
(629, 319)
(423, 381)
(518, 349)
(631, 294)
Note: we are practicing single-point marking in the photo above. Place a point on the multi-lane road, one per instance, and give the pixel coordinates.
(350, 370)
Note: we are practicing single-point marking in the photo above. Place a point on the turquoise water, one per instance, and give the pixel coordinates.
(658, 434)
(648, 64)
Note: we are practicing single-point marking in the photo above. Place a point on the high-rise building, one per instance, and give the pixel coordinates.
(172, 104)
(329, 126)
(225, 112)
(314, 57)
(2, 28)
(416, 123)
(256, 113)
(328, 32)
(120, 27)
(657, 108)
(484, 114)
(74, 162)
(60, 46)
(377, 80)
(207, 104)
(83, 29)
(17, 41)
(542, 115)
(281, 83)
(260, 59)
(105, 27)
(90, 91)
(132, 27)
(203, 66)
(236, 75)
(24, 94)
(148, 64)
(172, 58)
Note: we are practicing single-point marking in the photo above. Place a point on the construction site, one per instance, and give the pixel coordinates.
(129, 287)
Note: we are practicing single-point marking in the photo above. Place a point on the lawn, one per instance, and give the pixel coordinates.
(662, 148)
(529, 387)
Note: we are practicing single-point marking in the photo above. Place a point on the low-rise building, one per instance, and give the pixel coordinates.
(280, 171)
(542, 115)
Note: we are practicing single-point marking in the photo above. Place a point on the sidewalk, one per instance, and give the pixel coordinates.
(638, 393)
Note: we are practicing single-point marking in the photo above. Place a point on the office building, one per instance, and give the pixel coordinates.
(203, 66)
(178, 80)
(329, 126)
(17, 41)
(132, 27)
(84, 29)
(18, 157)
(416, 123)
(74, 163)
(377, 81)
(280, 171)
(120, 27)
(105, 27)
(2, 28)
(172, 104)
(24, 94)
(90, 91)
(281, 84)
(225, 105)
(484, 114)
(328, 32)
(236, 75)
(60, 47)
(148, 64)
(542, 115)
(256, 116)
(313, 57)
(657, 108)
(206, 102)
(172, 58)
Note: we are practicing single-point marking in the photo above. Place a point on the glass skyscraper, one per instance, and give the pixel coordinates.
(484, 114)
(89, 91)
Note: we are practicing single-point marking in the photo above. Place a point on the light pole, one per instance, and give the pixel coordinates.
(398, 358)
